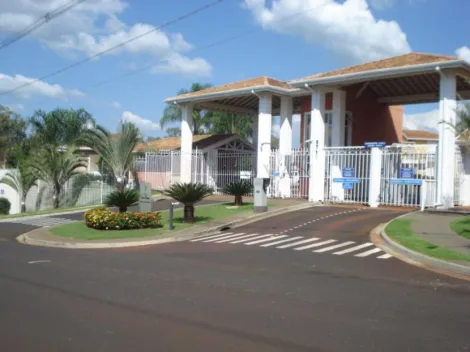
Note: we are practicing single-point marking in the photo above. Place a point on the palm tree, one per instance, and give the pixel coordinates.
(116, 150)
(122, 199)
(238, 189)
(188, 194)
(231, 123)
(21, 180)
(201, 118)
(61, 127)
(56, 167)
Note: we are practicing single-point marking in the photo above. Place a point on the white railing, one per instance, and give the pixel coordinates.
(289, 174)
(422, 160)
(341, 164)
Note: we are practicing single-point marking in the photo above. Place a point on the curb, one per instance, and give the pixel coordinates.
(26, 239)
(419, 258)
(81, 210)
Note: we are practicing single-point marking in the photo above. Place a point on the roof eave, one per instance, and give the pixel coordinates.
(356, 77)
(233, 92)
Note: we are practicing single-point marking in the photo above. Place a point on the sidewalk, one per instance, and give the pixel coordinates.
(42, 237)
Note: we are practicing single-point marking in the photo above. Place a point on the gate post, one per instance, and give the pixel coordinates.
(375, 171)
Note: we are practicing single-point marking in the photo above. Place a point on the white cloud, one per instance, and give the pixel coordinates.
(144, 125)
(348, 28)
(381, 4)
(39, 88)
(15, 107)
(427, 121)
(463, 52)
(184, 66)
(116, 105)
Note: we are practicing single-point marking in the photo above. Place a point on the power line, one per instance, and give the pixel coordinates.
(216, 43)
(88, 58)
(40, 22)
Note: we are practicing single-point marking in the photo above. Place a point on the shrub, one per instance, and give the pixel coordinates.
(122, 199)
(188, 194)
(5, 206)
(238, 189)
(105, 219)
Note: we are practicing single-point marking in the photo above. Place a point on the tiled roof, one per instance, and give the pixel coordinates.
(419, 134)
(410, 59)
(172, 143)
(252, 82)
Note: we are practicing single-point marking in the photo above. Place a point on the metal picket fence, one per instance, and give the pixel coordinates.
(422, 159)
(289, 174)
(357, 161)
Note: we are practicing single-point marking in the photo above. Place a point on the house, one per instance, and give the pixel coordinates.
(420, 137)
(344, 107)
(215, 157)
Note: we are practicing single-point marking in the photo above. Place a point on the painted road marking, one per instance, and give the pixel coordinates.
(352, 249)
(252, 238)
(39, 261)
(44, 221)
(274, 237)
(369, 252)
(213, 236)
(318, 244)
(233, 238)
(330, 248)
(299, 242)
(282, 241)
(385, 256)
(223, 238)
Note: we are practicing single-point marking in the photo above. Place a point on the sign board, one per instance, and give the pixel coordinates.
(145, 198)
(348, 185)
(406, 172)
(405, 181)
(348, 172)
(347, 180)
(375, 144)
(245, 175)
(276, 173)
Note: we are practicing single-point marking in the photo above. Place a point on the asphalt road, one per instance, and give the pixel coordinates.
(209, 296)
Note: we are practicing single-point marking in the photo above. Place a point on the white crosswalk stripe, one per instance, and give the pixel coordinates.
(297, 243)
(282, 241)
(318, 244)
(43, 221)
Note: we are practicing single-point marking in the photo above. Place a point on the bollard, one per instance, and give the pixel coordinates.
(170, 213)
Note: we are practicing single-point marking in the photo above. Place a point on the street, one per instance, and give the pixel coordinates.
(252, 288)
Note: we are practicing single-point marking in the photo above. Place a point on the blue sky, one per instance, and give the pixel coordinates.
(288, 39)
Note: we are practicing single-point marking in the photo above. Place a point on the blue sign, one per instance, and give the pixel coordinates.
(405, 181)
(348, 172)
(407, 172)
(348, 185)
(375, 144)
(347, 180)
(276, 173)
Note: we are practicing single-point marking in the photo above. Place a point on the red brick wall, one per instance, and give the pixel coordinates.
(372, 121)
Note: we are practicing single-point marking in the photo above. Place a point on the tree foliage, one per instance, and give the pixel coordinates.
(12, 132)
(21, 180)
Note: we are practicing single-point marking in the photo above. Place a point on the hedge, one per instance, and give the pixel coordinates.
(105, 219)
(5, 206)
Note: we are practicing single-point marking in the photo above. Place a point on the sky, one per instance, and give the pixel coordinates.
(233, 40)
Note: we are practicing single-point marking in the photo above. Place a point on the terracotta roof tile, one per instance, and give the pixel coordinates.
(419, 134)
(167, 143)
(252, 82)
(410, 59)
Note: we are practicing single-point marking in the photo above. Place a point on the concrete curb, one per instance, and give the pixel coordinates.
(81, 210)
(27, 239)
(419, 258)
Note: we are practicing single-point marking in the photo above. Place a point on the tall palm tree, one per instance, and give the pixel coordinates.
(116, 150)
(61, 127)
(21, 180)
(56, 167)
(231, 123)
(201, 118)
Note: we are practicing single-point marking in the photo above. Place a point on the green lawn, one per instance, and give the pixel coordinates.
(49, 211)
(461, 226)
(203, 214)
(400, 231)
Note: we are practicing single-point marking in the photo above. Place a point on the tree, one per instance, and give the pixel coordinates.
(122, 199)
(231, 123)
(12, 132)
(188, 194)
(116, 150)
(238, 189)
(201, 118)
(56, 167)
(173, 132)
(21, 180)
(61, 127)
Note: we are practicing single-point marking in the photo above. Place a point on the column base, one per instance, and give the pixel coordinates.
(260, 209)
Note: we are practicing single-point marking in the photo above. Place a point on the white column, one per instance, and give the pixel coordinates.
(316, 189)
(285, 132)
(264, 135)
(186, 142)
(339, 118)
(446, 158)
(255, 146)
(375, 169)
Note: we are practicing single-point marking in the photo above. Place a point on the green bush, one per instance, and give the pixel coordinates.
(122, 199)
(105, 219)
(238, 189)
(5, 206)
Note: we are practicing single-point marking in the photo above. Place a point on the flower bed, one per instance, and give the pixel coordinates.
(105, 219)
